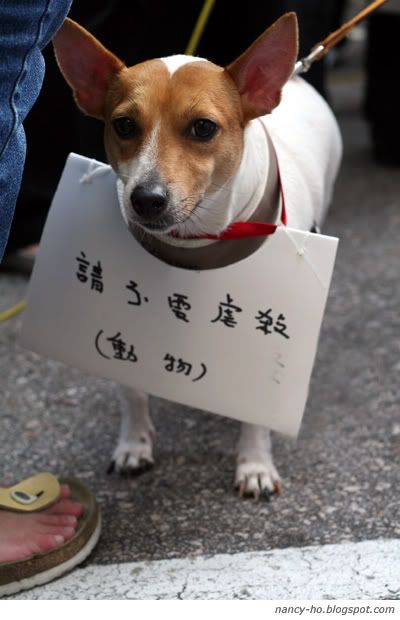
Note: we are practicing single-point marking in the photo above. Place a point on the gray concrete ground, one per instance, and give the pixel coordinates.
(342, 476)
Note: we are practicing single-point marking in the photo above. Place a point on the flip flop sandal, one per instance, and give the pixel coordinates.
(35, 494)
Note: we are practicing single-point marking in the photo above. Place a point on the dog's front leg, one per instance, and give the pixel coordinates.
(255, 470)
(134, 451)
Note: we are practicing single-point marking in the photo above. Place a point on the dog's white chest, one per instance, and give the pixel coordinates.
(307, 140)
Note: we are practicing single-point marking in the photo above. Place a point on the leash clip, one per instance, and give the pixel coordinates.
(304, 64)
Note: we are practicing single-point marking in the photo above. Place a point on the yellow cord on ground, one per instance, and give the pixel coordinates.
(190, 50)
(199, 27)
(8, 314)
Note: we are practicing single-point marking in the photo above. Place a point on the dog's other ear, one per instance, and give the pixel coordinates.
(86, 65)
(263, 69)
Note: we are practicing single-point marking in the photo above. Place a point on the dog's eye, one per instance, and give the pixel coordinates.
(203, 129)
(125, 127)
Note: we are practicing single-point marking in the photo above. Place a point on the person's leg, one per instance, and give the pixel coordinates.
(52, 132)
(25, 28)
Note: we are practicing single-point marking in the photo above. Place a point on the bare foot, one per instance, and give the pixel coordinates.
(25, 534)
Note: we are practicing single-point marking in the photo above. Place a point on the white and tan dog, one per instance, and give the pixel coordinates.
(195, 148)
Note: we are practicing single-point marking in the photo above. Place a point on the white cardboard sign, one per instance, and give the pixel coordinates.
(238, 341)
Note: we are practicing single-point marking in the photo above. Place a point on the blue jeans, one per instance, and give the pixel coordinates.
(26, 26)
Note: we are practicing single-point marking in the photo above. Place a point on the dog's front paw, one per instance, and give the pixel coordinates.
(132, 457)
(257, 477)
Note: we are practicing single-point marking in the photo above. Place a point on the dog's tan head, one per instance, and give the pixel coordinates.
(174, 127)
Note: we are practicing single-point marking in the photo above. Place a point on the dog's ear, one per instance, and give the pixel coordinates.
(263, 69)
(86, 65)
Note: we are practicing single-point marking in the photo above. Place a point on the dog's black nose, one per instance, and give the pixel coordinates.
(149, 201)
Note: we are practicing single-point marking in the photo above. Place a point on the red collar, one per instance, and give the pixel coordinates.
(241, 230)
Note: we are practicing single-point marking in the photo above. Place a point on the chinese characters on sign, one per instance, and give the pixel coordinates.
(227, 311)
(180, 366)
(179, 306)
(96, 275)
(137, 299)
(267, 323)
(115, 347)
